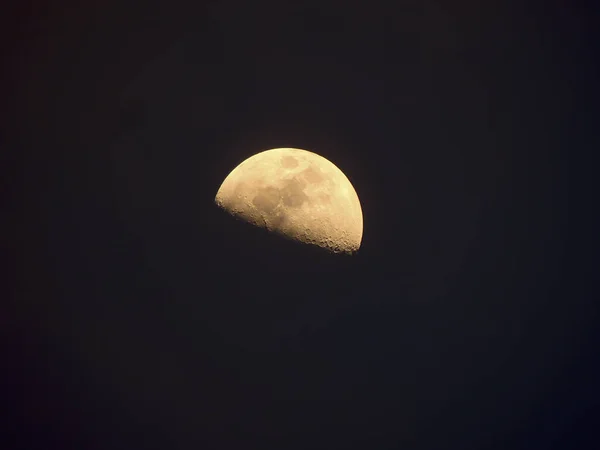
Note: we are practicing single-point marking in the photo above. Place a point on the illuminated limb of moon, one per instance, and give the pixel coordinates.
(297, 194)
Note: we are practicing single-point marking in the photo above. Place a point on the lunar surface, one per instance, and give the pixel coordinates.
(297, 194)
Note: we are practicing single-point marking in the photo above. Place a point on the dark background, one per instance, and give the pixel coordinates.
(143, 317)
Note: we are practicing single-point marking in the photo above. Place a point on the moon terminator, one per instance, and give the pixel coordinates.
(297, 194)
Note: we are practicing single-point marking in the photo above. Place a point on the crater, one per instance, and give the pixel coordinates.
(313, 176)
(289, 162)
(293, 193)
(267, 199)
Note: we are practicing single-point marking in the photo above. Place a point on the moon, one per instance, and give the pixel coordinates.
(296, 194)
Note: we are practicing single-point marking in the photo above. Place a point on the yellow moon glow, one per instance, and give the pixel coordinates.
(297, 194)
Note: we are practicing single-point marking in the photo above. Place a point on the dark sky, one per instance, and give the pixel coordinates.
(146, 318)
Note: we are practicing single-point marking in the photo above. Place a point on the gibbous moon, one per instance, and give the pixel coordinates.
(297, 194)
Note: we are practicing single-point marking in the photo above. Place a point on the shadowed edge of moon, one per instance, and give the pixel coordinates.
(271, 203)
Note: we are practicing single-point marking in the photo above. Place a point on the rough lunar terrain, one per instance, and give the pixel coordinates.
(298, 194)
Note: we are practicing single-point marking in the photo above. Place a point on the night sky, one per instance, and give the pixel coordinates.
(144, 317)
